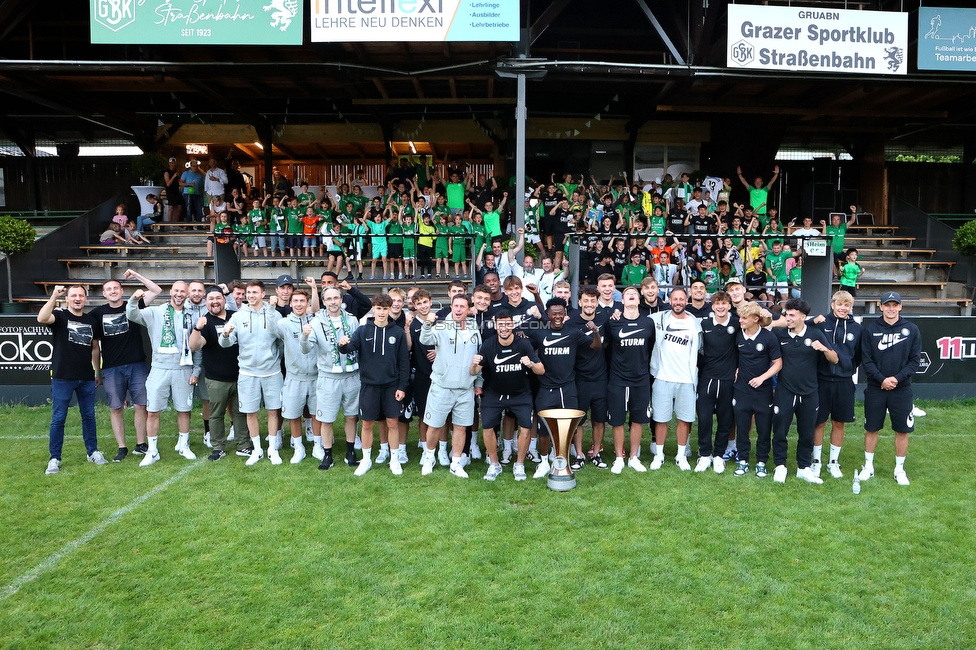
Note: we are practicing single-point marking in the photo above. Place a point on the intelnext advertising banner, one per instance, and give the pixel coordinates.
(946, 39)
(197, 22)
(414, 20)
(807, 39)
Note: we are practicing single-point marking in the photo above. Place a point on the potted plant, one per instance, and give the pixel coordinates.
(964, 240)
(148, 168)
(16, 236)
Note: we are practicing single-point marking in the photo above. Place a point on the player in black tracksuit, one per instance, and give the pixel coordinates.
(891, 348)
(716, 372)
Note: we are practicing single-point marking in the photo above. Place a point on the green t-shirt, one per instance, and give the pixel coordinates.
(659, 224)
(455, 196)
(479, 230)
(776, 265)
(710, 278)
(293, 217)
(305, 199)
(409, 243)
(758, 198)
(259, 219)
(838, 232)
(633, 274)
(849, 274)
(493, 223)
(795, 276)
(395, 230)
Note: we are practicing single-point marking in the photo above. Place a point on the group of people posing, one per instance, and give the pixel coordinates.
(487, 362)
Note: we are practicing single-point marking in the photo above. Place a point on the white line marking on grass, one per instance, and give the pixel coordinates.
(52, 560)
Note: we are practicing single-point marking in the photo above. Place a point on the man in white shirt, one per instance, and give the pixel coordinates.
(215, 179)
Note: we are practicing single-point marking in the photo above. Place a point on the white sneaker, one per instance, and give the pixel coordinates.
(359, 443)
(533, 455)
(402, 456)
(97, 457)
(618, 465)
(364, 466)
(383, 456)
(542, 469)
(206, 440)
(506, 456)
(518, 470)
(187, 453)
(866, 472)
(442, 458)
(395, 468)
(231, 434)
(273, 456)
(635, 464)
(421, 444)
(256, 454)
(682, 463)
(299, 454)
(494, 471)
(427, 463)
(918, 413)
(309, 434)
(657, 462)
(807, 474)
(53, 466)
(704, 462)
(318, 451)
(834, 469)
(779, 474)
(458, 470)
(901, 477)
(816, 467)
(718, 465)
(465, 460)
(149, 459)
(475, 451)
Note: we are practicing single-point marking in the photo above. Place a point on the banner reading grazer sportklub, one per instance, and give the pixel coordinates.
(197, 22)
(414, 20)
(808, 39)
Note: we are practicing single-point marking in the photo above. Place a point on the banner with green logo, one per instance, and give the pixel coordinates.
(197, 22)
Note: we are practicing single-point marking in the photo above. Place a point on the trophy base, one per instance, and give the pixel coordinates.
(562, 483)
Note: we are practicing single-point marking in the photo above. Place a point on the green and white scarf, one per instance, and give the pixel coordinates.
(333, 337)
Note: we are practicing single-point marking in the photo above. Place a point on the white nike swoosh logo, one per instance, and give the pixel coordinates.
(504, 359)
(624, 335)
(547, 343)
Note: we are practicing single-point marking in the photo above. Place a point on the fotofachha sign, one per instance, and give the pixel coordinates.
(811, 39)
(197, 22)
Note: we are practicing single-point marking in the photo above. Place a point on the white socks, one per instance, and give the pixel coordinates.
(834, 453)
(817, 453)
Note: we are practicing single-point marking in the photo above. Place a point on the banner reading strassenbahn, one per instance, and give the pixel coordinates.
(197, 22)
(414, 20)
(807, 39)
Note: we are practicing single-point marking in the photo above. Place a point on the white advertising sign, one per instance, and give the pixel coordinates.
(807, 39)
(414, 20)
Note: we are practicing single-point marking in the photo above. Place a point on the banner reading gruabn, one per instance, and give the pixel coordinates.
(817, 40)
(414, 20)
(197, 22)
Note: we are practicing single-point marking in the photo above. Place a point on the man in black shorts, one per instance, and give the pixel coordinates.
(504, 362)
(716, 374)
(891, 348)
(591, 376)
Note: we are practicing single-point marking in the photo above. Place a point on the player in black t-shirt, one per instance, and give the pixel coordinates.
(797, 391)
(716, 372)
(75, 370)
(591, 376)
(504, 362)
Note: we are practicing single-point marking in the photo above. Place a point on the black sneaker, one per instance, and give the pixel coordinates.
(598, 462)
(216, 454)
(141, 449)
(120, 456)
(577, 464)
(246, 453)
(327, 462)
(351, 459)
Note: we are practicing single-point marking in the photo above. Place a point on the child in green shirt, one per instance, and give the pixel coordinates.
(634, 272)
(850, 272)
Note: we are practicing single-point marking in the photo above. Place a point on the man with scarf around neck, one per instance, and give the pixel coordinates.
(220, 372)
(384, 377)
(174, 371)
(338, 382)
(301, 374)
(253, 329)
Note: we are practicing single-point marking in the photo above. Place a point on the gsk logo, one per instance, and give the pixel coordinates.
(114, 14)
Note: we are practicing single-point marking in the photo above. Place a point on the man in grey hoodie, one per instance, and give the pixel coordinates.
(456, 340)
(253, 329)
(301, 374)
(175, 369)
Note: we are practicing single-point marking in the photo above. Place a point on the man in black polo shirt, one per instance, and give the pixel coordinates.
(716, 372)
(797, 391)
(74, 364)
(220, 373)
(124, 368)
(504, 362)
(698, 305)
(591, 376)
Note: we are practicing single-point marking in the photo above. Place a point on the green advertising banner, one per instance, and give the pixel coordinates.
(197, 22)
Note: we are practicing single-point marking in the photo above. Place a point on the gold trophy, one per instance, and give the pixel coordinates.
(561, 424)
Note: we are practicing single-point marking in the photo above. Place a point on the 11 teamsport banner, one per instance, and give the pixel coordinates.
(817, 40)
(197, 22)
(414, 20)
(947, 39)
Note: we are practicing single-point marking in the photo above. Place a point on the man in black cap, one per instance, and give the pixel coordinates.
(891, 348)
